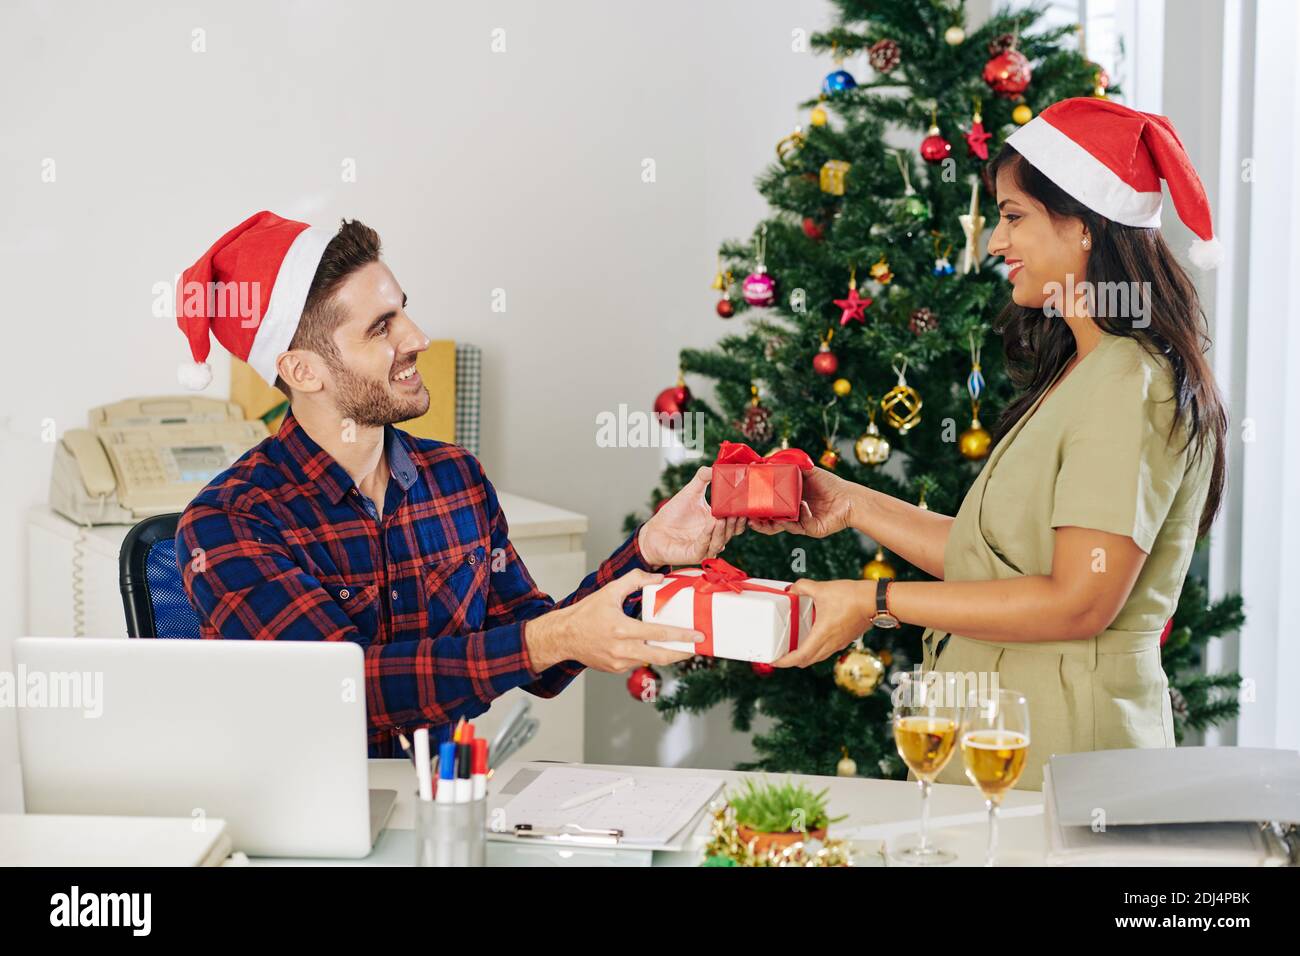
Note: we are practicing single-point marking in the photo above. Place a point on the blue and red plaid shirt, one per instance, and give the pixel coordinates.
(289, 549)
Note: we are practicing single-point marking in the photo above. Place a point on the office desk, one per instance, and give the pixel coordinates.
(876, 809)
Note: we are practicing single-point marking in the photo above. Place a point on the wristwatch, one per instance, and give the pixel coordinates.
(882, 617)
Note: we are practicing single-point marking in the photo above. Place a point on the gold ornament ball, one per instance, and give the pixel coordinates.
(974, 442)
(818, 116)
(954, 36)
(878, 569)
(1022, 114)
(830, 459)
(859, 671)
(842, 387)
(846, 767)
(872, 448)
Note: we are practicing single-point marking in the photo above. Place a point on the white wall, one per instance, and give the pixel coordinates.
(519, 170)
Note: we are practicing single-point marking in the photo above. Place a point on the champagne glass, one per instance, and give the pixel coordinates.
(994, 747)
(927, 717)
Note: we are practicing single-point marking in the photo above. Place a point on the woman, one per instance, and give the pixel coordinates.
(1069, 551)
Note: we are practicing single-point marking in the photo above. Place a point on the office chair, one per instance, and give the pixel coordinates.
(152, 594)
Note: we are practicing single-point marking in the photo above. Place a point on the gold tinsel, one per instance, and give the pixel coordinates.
(724, 841)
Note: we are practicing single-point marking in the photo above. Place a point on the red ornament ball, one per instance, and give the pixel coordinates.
(935, 149)
(761, 669)
(725, 308)
(1008, 73)
(673, 402)
(812, 230)
(825, 363)
(643, 684)
(1164, 635)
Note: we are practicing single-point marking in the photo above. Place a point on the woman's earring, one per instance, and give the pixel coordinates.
(1087, 242)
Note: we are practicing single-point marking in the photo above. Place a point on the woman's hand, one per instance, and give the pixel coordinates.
(843, 613)
(827, 507)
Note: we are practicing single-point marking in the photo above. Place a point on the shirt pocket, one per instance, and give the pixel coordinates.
(359, 601)
(455, 592)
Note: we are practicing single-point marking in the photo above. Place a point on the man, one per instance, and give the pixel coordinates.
(342, 527)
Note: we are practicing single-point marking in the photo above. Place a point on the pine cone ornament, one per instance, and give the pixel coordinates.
(756, 426)
(1001, 44)
(1179, 704)
(884, 55)
(922, 321)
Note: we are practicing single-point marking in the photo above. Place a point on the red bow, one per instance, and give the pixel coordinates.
(738, 453)
(719, 575)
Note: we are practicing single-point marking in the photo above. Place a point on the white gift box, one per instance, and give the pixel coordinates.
(747, 626)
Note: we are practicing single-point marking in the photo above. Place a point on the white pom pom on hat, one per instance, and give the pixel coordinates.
(195, 376)
(1112, 158)
(1206, 254)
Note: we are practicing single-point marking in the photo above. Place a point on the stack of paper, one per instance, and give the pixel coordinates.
(37, 839)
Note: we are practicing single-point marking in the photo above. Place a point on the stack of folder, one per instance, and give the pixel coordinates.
(1184, 806)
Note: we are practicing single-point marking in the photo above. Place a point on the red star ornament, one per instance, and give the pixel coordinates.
(854, 307)
(977, 140)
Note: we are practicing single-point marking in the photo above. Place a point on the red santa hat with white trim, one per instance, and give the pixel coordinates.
(248, 291)
(1111, 158)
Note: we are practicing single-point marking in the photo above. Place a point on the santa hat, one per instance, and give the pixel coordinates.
(248, 290)
(1112, 158)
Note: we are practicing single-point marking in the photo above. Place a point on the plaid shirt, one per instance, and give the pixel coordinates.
(433, 591)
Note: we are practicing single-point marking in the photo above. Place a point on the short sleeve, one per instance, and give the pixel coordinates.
(1120, 471)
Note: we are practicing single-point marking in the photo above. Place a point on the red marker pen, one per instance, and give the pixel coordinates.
(479, 767)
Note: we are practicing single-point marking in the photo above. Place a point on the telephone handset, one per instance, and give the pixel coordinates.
(146, 456)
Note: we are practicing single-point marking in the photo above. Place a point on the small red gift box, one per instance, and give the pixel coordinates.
(745, 484)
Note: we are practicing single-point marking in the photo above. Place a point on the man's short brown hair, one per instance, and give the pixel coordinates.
(356, 245)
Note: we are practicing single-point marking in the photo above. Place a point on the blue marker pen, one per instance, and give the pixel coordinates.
(447, 772)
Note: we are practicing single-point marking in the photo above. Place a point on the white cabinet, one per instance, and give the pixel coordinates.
(73, 591)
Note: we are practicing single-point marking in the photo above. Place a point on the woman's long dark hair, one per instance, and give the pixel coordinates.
(1038, 347)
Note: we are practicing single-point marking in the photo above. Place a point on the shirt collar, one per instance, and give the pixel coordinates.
(312, 465)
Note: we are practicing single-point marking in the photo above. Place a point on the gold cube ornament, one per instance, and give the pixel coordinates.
(832, 176)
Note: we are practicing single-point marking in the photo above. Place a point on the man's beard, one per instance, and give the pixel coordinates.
(369, 403)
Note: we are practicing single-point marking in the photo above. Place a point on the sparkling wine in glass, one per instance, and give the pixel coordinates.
(994, 749)
(927, 720)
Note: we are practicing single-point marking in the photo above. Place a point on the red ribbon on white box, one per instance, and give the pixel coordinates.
(719, 575)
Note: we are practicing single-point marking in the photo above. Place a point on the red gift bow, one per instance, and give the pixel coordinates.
(762, 489)
(738, 453)
(718, 576)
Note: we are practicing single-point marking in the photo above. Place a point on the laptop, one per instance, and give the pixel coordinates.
(269, 736)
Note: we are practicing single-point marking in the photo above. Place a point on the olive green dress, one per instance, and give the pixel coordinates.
(1095, 453)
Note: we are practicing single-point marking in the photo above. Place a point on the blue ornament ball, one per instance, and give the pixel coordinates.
(837, 81)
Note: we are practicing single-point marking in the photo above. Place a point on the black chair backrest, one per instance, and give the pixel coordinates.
(153, 597)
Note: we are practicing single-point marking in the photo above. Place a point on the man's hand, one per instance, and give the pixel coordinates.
(827, 507)
(596, 632)
(844, 611)
(684, 530)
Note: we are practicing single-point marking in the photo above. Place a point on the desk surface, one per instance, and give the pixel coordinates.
(876, 810)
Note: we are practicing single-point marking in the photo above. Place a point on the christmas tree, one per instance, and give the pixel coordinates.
(866, 294)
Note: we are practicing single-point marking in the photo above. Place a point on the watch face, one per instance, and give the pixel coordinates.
(885, 621)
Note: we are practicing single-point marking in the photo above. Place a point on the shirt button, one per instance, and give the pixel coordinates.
(394, 594)
(344, 594)
(472, 559)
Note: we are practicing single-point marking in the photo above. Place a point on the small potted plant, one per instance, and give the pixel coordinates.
(777, 815)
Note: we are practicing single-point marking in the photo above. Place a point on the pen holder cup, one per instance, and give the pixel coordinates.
(450, 834)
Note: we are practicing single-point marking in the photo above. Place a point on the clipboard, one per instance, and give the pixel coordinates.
(502, 827)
